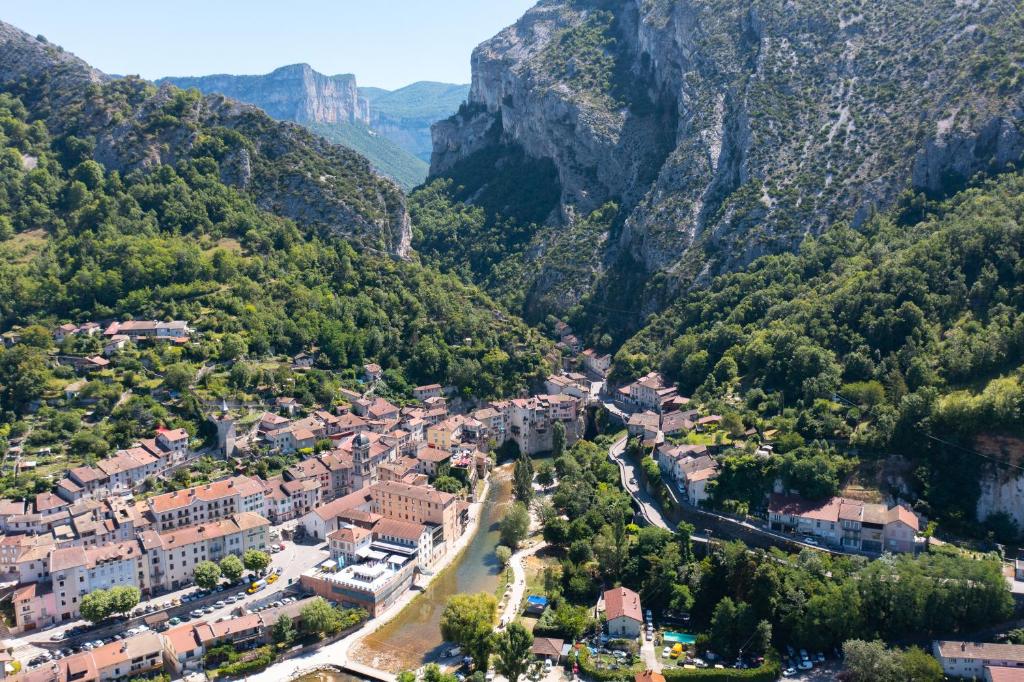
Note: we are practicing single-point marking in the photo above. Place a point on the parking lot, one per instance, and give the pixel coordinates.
(181, 604)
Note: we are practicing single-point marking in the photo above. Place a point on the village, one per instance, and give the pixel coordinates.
(377, 499)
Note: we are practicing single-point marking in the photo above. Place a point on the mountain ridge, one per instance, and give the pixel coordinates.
(390, 128)
(727, 130)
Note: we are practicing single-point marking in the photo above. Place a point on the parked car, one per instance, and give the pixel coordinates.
(789, 672)
(219, 604)
(196, 613)
(666, 652)
(209, 609)
(810, 541)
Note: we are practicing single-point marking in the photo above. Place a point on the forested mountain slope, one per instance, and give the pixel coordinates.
(118, 201)
(128, 124)
(903, 336)
(723, 130)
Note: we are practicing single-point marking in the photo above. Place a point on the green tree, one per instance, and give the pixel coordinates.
(95, 606)
(232, 347)
(871, 662)
(179, 376)
(318, 618)
(406, 676)
(284, 631)
(255, 560)
(512, 648)
(557, 439)
(545, 474)
(448, 484)
(515, 526)
(522, 479)
(468, 620)
(918, 666)
(503, 554)
(231, 567)
(123, 598)
(206, 574)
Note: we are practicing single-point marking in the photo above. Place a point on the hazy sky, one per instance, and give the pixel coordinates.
(386, 43)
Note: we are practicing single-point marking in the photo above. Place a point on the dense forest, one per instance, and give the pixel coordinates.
(79, 242)
(904, 336)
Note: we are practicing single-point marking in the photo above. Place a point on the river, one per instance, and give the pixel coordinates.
(413, 637)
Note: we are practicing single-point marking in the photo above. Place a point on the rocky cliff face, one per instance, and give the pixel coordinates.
(133, 125)
(727, 129)
(290, 93)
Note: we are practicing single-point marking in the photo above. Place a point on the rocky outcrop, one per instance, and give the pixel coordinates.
(290, 93)
(135, 126)
(731, 129)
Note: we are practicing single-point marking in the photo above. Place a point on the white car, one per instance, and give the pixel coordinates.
(666, 652)
(789, 672)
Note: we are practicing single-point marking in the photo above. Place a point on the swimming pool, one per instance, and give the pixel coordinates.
(680, 637)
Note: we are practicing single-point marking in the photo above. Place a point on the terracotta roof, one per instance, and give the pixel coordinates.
(432, 454)
(183, 638)
(983, 650)
(48, 501)
(406, 530)
(12, 507)
(352, 534)
(208, 632)
(180, 537)
(238, 485)
(547, 646)
(622, 602)
(414, 491)
(999, 673)
(116, 652)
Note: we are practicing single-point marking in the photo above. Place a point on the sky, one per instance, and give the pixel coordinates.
(386, 43)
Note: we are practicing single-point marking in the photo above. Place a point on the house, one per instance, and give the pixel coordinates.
(303, 361)
(208, 502)
(73, 390)
(643, 424)
(115, 344)
(64, 331)
(623, 612)
(132, 657)
(694, 476)
(289, 405)
(348, 543)
(183, 649)
(547, 649)
(679, 422)
(847, 524)
(1000, 673)
(563, 384)
(150, 329)
(173, 555)
(969, 660)
(430, 458)
(428, 391)
(596, 363)
(650, 392)
(372, 372)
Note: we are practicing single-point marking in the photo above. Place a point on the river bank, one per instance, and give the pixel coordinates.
(339, 655)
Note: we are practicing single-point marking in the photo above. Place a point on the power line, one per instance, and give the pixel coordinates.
(951, 444)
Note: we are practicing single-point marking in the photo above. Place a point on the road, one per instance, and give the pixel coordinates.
(293, 561)
(650, 510)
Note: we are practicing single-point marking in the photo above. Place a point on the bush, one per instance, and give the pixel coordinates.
(260, 659)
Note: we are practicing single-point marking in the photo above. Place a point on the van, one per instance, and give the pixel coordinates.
(257, 586)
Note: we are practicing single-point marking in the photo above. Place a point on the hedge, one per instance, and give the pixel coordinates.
(770, 670)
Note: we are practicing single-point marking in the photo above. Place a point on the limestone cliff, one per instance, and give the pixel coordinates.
(726, 129)
(290, 93)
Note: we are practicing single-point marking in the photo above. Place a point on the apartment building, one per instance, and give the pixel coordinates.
(847, 524)
(531, 421)
(209, 502)
(976, 660)
(420, 504)
(172, 555)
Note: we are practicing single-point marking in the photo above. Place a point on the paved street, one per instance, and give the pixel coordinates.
(649, 507)
(293, 561)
